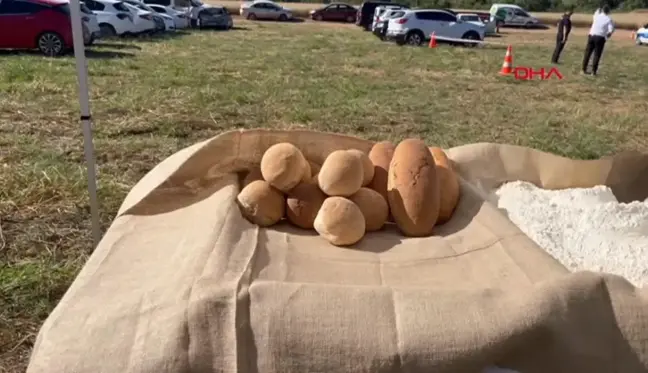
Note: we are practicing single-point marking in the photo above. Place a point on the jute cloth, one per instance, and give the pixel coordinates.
(181, 282)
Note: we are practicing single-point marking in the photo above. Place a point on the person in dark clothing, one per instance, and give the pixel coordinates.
(564, 28)
(601, 30)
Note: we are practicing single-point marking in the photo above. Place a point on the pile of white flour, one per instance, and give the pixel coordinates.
(585, 229)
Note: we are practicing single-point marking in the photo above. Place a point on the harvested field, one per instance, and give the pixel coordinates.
(629, 21)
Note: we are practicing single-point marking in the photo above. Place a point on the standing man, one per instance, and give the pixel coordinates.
(564, 28)
(602, 29)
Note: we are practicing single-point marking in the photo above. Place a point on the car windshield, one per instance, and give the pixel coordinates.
(395, 14)
(65, 8)
(84, 9)
(212, 11)
(470, 18)
(121, 7)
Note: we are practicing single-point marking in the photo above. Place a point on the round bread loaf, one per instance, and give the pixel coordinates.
(381, 155)
(282, 165)
(261, 204)
(252, 175)
(302, 204)
(448, 185)
(367, 166)
(340, 221)
(373, 206)
(413, 188)
(341, 174)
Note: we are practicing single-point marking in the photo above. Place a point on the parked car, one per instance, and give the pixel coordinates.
(163, 22)
(36, 24)
(381, 27)
(91, 22)
(262, 9)
(215, 16)
(414, 27)
(115, 19)
(489, 26)
(379, 11)
(144, 21)
(189, 7)
(337, 12)
(513, 15)
(365, 15)
(641, 35)
(180, 18)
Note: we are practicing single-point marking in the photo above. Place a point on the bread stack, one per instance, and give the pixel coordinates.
(353, 192)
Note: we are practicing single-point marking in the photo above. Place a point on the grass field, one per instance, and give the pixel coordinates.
(628, 20)
(153, 97)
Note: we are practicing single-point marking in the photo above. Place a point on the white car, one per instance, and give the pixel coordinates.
(379, 11)
(513, 15)
(641, 36)
(474, 18)
(380, 29)
(91, 22)
(263, 9)
(414, 27)
(192, 7)
(113, 16)
(169, 24)
(143, 20)
(180, 18)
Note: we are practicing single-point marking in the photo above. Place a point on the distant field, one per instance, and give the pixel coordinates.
(631, 20)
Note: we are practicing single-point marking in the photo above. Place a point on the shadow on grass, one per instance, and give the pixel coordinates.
(530, 27)
(292, 20)
(220, 29)
(89, 53)
(102, 44)
(157, 37)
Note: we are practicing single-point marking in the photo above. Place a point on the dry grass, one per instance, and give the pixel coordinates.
(631, 20)
(153, 97)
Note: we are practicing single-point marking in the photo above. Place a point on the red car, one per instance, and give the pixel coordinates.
(36, 24)
(339, 12)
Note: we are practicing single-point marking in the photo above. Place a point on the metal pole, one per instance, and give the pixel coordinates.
(84, 102)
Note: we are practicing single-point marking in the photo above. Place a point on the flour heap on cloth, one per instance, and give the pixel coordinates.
(584, 229)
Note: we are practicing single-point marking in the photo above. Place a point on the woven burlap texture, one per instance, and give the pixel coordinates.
(181, 282)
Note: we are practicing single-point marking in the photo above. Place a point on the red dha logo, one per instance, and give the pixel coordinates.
(528, 73)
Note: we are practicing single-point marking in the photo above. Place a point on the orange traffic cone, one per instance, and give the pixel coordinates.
(432, 40)
(507, 66)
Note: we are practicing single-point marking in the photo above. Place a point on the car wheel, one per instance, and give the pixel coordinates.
(251, 16)
(50, 44)
(637, 41)
(350, 19)
(317, 17)
(90, 42)
(471, 35)
(107, 31)
(414, 38)
(283, 17)
(528, 25)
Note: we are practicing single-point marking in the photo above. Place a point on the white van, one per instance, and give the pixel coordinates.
(512, 15)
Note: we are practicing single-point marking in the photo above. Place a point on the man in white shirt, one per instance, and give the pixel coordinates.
(601, 30)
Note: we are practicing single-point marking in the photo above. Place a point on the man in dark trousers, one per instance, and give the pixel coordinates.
(564, 28)
(601, 30)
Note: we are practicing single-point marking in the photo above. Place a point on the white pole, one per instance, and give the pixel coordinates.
(84, 102)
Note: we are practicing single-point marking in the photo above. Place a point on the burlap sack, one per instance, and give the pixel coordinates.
(182, 283)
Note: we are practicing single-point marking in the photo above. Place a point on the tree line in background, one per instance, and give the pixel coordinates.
(530, 5)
